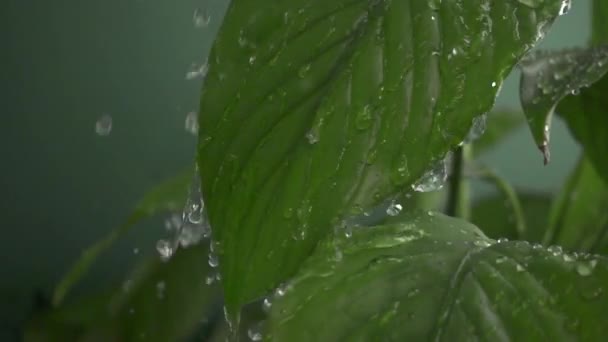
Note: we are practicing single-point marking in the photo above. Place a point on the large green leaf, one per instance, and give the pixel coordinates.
(548, 77)
(434, 278)
(167, 196)
(315, 110)
(579, 215)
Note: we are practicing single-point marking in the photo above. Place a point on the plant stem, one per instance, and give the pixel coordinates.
(458, 195)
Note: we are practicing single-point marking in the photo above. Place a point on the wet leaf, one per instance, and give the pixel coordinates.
(160, 301)
(168, 196)
(579, 214)
(314, 111)
(167, 301)
(500, 123)
(548, 77)
(435, 278)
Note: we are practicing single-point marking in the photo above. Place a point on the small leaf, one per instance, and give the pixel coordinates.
(168, 196)
(315, 111)
(500, 124)
(579, 215)
(434, 278)
(166, 301)
(548, 77)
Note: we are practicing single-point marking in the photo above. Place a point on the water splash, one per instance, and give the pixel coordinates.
(433, 179)
(201, 18)
(103, 126)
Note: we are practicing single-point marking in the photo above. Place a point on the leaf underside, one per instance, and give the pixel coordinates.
(314, 111)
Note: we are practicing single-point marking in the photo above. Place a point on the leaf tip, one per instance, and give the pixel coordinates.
(544, 149)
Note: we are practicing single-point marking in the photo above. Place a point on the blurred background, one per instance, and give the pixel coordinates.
(66, 178)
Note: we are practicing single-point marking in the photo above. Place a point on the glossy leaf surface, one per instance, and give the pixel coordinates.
(434, 278)
(314, 111)
(579, 215)
(548, 77)
(167, 196)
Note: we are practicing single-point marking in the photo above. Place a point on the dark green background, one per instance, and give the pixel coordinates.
(64, 63)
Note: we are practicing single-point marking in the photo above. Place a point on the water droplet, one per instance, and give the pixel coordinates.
(267, 305)
(160, 289)
(585, 268)
(482, 243)
(430, 213)
(501, 259)
(165, 249)
(210, 279)
(191, 123)
(201, 18)
(555, 250)
(196, 71)
(393, 209)
(565, 7)
(502, 240)
(478, 127)
(255, 332)
(252, 59)
(363, 119)
(280, 291)
(494, 84)
(213, 260)
(304, 70)
(312, 136)
(433, 179)
(103, 126)
(519, 268)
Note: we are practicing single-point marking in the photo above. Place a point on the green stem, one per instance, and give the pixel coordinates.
(458, 203)
(509, 192)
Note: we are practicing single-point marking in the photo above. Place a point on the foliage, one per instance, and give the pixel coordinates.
(327, 129)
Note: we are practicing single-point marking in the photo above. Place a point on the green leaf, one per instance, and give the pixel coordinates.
(435, 278)
(160, 301)
(314, 111)
(166, 301)
(548, 77)
(495, 215)
(599, 13)
(168, 196)
(500, 123)
(579, 215)
(587, 119)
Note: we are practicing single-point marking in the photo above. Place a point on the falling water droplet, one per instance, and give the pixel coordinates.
(565, 7)
(197, 71)
(165, 249)
(201, 18)
(103, 126)
(191, 123)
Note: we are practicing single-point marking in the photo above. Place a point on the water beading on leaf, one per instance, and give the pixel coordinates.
(548, 77)
(428, 277)
(314, 111)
